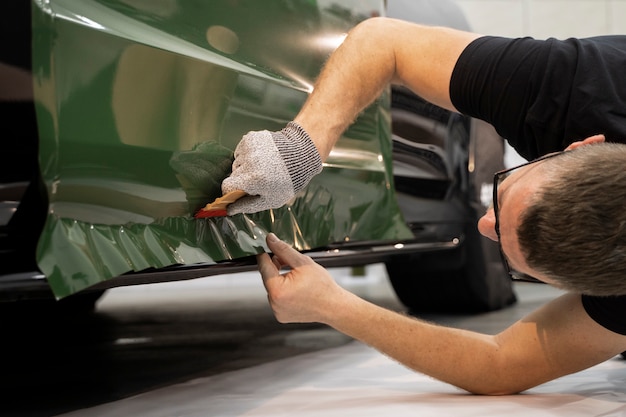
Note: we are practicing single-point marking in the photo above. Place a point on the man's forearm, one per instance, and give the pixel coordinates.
(557, 339)
(462, 358)
(353, 77)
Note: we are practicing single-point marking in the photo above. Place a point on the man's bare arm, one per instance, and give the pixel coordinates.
(556, 340)
(376, 53)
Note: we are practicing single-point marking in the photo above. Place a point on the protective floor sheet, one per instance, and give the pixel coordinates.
(355, 380)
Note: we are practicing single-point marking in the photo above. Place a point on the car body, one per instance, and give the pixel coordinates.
(136, 109)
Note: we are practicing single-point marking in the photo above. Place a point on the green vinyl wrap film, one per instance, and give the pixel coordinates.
(140, 105)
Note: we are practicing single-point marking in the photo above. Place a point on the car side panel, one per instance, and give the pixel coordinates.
(140, 106)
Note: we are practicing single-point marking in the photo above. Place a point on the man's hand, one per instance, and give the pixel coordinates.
(304, 294)
(271, 167)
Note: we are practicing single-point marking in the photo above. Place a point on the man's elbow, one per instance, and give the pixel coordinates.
(494, 391)
(498, 386)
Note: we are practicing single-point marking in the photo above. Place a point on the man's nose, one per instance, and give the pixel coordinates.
(487, 225)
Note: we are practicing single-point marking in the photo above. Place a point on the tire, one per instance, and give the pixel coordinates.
(470, 278)
(46, 307)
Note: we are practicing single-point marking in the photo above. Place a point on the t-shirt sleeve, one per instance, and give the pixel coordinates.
(609, 312)
(543, 95)
(499, 80)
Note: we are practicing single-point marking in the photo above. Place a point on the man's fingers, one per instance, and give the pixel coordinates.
(288, 256)
(284, 255)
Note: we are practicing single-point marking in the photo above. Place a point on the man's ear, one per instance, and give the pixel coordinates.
(588, 141)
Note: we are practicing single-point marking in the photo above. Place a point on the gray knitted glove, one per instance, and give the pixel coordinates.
(271, 167)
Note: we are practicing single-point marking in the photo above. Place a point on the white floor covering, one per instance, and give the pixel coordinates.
(354, 380)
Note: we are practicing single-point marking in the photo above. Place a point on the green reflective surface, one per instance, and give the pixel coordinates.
(140, 105)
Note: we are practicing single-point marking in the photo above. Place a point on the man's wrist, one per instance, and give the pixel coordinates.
(299, 154)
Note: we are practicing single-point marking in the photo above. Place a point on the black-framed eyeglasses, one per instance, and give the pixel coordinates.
(498, 177)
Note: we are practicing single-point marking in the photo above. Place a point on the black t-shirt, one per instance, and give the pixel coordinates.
(543, 95)
(610, 312)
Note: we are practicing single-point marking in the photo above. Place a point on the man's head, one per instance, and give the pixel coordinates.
(563, 220)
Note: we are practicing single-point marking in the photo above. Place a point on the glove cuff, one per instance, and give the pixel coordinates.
(299, 154)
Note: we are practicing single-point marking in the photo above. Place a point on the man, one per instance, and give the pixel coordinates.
(567, 208)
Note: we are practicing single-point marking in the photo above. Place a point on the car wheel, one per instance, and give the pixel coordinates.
(471, 277)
